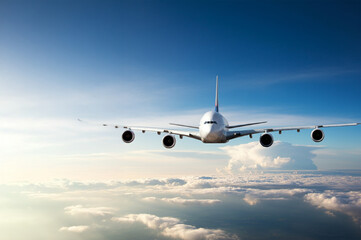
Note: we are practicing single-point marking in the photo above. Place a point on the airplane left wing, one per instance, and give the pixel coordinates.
(236, 134)
(194, 135)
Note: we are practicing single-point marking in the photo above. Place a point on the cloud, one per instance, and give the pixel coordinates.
(345, 202)
(251, 200)
(75, 229)
(172, 227)
(282, 156)
(337, 193)
(265, 180)
(156, 182)
(253, 196)
(252, 187)
(96, 211)
(183, 201)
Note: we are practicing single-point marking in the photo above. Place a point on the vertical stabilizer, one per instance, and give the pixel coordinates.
(216, 94)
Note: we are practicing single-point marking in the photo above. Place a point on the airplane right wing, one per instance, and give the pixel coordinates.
(241, 133)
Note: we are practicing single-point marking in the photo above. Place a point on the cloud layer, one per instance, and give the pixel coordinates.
(184, 201)
(174, 228)
(206, 207)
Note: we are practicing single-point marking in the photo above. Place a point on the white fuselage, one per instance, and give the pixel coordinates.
(213, 128)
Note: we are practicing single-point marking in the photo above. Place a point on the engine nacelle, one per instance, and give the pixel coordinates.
(266, 140)
(128, 136)
(317, 135)
(169, 141)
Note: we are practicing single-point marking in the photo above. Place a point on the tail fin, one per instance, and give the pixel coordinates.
(216, 94)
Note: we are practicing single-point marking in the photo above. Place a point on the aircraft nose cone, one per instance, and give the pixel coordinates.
(212, 134)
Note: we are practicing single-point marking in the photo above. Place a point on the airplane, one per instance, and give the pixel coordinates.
(214, 128)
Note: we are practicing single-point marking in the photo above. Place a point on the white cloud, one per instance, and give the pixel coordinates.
(75, 229)
(184, 201)
(84, 201)
(345, 202)
(172, 227)
(281, 155)
(253, 196)
(250, 199)
(97, 211)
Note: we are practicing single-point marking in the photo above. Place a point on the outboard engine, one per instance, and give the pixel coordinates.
(266, 140)
(128, 136)
(169, 141)
(317, 135)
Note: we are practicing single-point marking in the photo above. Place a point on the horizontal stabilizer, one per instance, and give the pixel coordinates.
(246, 124)
(182, 125)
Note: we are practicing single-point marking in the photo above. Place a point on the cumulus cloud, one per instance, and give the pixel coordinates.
(282, 156)
(96, 211)
(75, 229)
(345, 202)
(174, 228)
(253, 196)
(184, 201)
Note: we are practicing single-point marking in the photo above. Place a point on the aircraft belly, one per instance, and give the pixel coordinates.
(215, 137)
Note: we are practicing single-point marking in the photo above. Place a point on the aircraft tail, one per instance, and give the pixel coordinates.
(216, 109)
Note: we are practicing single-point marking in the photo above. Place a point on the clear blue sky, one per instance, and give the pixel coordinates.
(135, 60)
(302, 56)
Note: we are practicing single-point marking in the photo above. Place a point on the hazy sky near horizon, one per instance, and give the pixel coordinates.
(154, 62)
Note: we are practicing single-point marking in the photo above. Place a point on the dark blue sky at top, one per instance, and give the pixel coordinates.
(290, 55)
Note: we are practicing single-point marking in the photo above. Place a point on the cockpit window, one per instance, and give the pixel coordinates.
(210, 122)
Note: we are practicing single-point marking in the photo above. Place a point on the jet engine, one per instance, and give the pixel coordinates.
(169, 141)
(128, 136)
(317, 135)
(266, 140)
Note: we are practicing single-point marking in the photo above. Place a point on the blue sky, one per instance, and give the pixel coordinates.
(154, 62)
(265, 52)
